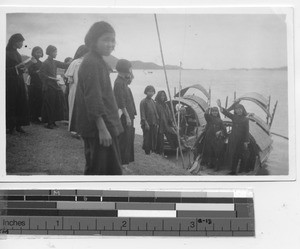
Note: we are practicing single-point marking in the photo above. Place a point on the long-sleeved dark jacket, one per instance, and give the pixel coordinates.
(124, 96)
(49, 68)
(240, 128)
(148, 112)
(94, 98)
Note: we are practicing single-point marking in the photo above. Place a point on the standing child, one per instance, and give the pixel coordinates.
(126, 104)
(97, 116)
(53, 98)
(239, 137)
(35, 88)
(149, 120)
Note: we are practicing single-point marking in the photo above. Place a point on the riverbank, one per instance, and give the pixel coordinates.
(55, 152)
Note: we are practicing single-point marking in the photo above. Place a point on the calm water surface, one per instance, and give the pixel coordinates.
(223, 83)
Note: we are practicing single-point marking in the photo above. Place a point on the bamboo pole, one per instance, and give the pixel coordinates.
(168, 88)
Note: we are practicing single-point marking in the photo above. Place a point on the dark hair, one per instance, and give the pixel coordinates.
(50, 49)
(14, 39)
(68, 59)
(96, 31)
(158, 96)
(35, 49)
(123, 66)
(81, 51)
(239, 106)
(149, 89)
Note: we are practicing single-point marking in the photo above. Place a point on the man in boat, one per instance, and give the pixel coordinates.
(239, 137)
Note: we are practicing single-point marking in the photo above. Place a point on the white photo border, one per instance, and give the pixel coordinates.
(288, 10)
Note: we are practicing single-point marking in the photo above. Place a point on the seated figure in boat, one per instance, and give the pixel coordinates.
(214, 140)
(237, 151)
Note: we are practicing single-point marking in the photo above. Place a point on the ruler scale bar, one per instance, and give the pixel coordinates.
(127, 213)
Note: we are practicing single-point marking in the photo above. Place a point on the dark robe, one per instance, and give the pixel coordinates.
(238, 136)
(165, 127)
(35, 91)
(149, 115)
(53, 108)
(125, 99)
(94, 99)
(17, 110)
(213, 149)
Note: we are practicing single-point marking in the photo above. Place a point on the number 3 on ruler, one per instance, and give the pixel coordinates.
(192, 224)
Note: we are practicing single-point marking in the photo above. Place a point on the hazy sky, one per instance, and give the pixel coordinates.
(212, 41)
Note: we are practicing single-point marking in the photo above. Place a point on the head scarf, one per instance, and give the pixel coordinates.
(50, 49)
(35, 49)
(13, 40)
(81, 51)
(158, 97)
(123, 66)
(149, 89)
(97, 30)
(239, 106)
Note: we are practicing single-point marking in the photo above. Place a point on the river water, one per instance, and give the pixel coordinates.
(223, 83)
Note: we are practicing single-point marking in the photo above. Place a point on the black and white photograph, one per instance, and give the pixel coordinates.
(151, 93)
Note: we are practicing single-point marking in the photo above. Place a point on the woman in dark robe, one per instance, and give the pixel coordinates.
(239, 137)
(35, 87)
(149, 120)
(215, 132)
(126, 105)
(166, 126)
(17, 110)
(53, 97)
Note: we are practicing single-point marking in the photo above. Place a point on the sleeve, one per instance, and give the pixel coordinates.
(11, 71)
(70, 72)
(143, 112)
(92, 77)
(247, 139)
(62, 65)
(120, 94)
(11, 68)
(223, 128)
(43, 73)
(207, 116)
(227, 113)
(31, 70)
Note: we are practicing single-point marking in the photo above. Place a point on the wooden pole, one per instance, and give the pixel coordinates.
(273, 114)
(168, 88)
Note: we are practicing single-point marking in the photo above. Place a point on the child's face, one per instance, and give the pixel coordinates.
(54, 54)
(106, 44)
(150, 94)
(19, 44)
(239, 111)
(163, 97)
(214, 113)
(38, 54)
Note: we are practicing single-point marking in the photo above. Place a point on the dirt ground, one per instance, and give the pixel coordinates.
(55, 152)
